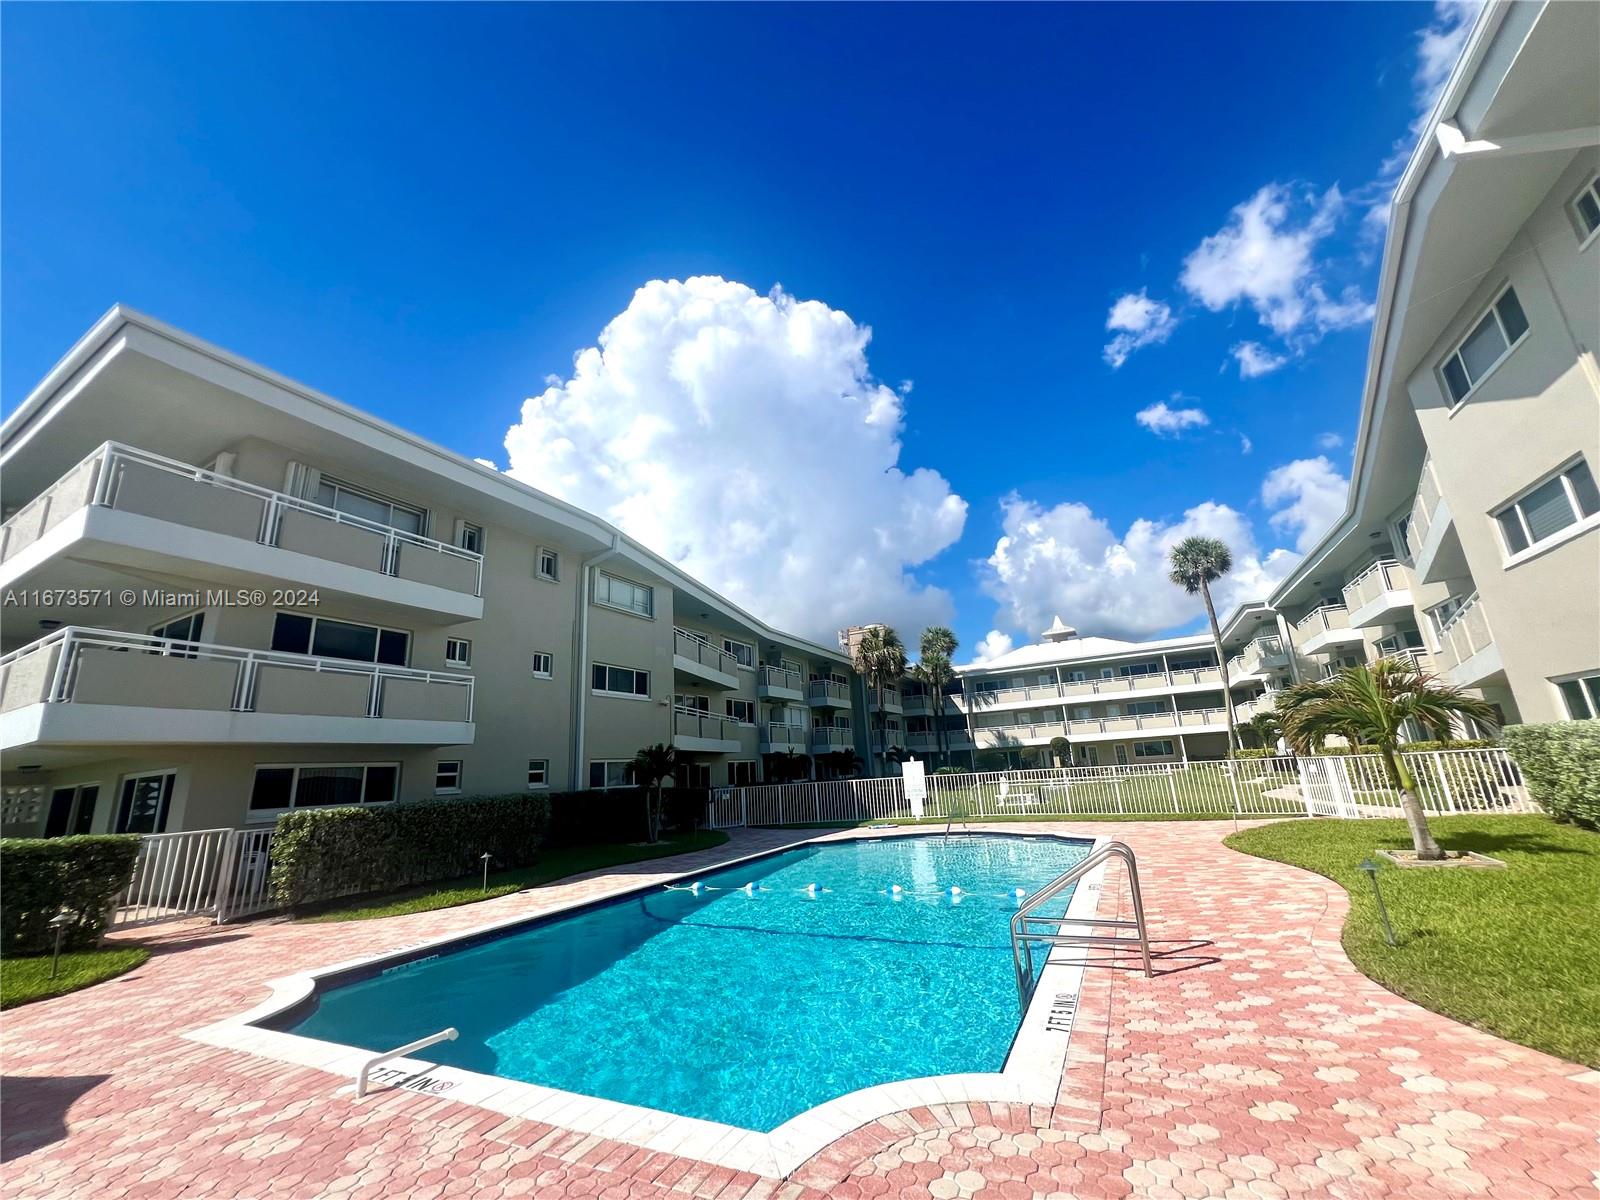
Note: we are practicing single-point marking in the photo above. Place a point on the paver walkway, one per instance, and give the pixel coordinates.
(1266, 1066)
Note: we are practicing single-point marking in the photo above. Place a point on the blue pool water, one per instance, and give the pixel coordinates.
(744, 1007)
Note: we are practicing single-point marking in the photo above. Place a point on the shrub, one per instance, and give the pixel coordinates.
(321, 854)
(43, 875)
(1561, 765)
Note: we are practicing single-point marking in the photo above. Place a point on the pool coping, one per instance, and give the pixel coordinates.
(1032, 1072)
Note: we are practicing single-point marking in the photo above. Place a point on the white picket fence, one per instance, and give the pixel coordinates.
(1447, 781)
(223, 873)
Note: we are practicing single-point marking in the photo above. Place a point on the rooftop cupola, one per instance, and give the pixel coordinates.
(1059, 632)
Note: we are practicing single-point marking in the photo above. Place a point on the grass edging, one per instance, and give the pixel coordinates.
(27, 979)
(559, 863)
(1510, 952)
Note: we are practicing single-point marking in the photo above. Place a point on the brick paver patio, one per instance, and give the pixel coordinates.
(1260, 1064)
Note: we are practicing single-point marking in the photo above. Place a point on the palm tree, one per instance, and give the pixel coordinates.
(880, 659)
(937, 671)
(1264, 728)
(1196, 563)
(652, 766)
(1368, 706)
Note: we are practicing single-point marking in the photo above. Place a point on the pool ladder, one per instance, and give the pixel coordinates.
(1023, 937)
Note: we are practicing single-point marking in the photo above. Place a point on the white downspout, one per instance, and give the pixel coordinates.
(580, 657)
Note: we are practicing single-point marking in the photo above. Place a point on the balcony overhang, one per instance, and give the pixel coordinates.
(776, 691)
(1327, 641)
(688, 668)
(704, 745)
(1385, 608)
(1440, 557)
(84, 726)
(1480, 667)
(134, 544)
(823, 700)
(796, 745)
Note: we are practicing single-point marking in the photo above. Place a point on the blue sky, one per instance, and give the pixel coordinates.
(428, 211)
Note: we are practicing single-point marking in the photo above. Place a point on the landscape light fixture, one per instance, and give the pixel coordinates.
(486, 856)
(59, 924)
(1371, 868)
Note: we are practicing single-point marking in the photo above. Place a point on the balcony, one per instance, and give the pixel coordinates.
(1200, 720)
(132, 510)
(886, 700)
(780, 683)
(1378, 595)
(1325, 630)
(830, 738)
(926, 742)
(825, 693)
(699, 731)
(1124, 685)
(1467, 652)
(697, 659)
(81, 686)
(777, 738)
(917, 704)
(1038, 733)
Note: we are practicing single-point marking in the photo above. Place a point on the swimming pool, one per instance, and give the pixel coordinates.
(772, 987)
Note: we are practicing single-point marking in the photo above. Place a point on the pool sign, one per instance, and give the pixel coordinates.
(916, 783)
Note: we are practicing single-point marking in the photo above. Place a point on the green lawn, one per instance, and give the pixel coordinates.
(1512, 951)
(23, 980)
(552, 865)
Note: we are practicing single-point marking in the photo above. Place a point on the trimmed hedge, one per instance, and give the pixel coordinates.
(601, 817)
(322, 854)
(1561, 765)
(1408, 748)
(41, 875)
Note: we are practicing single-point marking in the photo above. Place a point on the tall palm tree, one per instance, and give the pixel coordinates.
(880, 658)
(936, 669)
(1196, 563)
(1264, 729)
(1368, 706)
(652, 767)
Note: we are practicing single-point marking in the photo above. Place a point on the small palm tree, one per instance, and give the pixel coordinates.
(1368, 706)
(652, 767)
(1196, 563)
(1264, 729)
(936, 669)
(880, 658)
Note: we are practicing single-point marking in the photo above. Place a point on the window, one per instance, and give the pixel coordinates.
(538, 772)
(447, 775)
(296, 633)
(71, 810)
(282, 786)
(457, 652)
(543, 664)
(1582, 696)
(469, 536)
(620, 593)
(696, 703)
(611, 773)
(1161, 749)
(1546, 509)
(742, 773)
(1480, 352)
(1145, 708)
(1192, 664)
(742, 711)
(1586, 209)
(743, 653)
(692, 774)
(1399, 643)
(549, 565)
(369, 506)
(182, 629)
(145, 801)
(620, 681)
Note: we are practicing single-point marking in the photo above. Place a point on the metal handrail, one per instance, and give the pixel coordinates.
(444, 1035)
(1022, 936)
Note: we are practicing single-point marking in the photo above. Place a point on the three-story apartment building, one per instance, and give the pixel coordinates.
(228, 596)
(1471, 538)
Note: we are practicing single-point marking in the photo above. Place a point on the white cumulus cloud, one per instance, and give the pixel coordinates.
(991, 646)
(1256, 360)
(1137, 321)
(1308, 496)
(1329, 441)
(1067, 560)
(1439, 44)
(744, 437)
(1165, 421)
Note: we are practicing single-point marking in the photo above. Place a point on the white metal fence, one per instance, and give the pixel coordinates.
(1447, 781)
(218, 872)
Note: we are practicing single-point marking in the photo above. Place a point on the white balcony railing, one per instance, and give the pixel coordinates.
(775, 733)
(105, 667)
(780, 677)
(1004, 735)
(697, 649)
(889, 698)
(1384, 575)
(832, 737)
(132, 480)
(1326, 619)
(698, 723)
(1464, 633)
(978, 700)
(1422, 509)
(827, 692)
(1149, 722)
